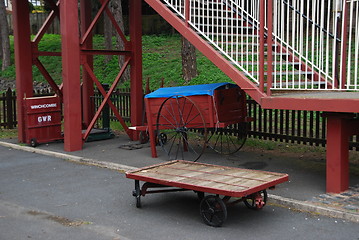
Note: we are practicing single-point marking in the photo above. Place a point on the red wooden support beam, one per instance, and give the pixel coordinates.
(23, 60)
(269, 45)
(344, 45)
(203, 46)
(87, 84)
(93, 23)
(48, 77)
(262, 11)
(47, 23)
(136, 63)
(106, 98)
(339, 128)
(71, 75)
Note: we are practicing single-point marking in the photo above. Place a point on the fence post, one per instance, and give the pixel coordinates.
(9, 109)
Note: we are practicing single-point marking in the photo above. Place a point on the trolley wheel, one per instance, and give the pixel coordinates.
(181, 128)
(256, 200)
(137, 193)
(228, 140)
(33, 142)
(213, 211)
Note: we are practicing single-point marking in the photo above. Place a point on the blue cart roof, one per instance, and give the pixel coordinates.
(203, 89)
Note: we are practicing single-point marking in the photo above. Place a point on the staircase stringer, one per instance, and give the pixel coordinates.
(206, 49)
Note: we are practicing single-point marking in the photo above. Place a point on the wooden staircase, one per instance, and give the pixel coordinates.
(254, 57)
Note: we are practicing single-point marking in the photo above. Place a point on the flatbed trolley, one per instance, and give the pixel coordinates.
(186, 120)
(245, 185)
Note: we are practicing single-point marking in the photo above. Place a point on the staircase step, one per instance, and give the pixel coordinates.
(223, 11)
(222, 26)
(273, 63)
(255, 53)
(283, 73)
(229, 35)
(277, 85)
(241, 44)
(229, 19)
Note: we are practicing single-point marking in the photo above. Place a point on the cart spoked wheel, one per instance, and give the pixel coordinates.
(256, 200)
(228, 140)
(181, 129)
(213, 211)
(137, 193)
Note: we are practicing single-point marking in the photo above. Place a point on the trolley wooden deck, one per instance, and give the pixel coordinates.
(247, 185)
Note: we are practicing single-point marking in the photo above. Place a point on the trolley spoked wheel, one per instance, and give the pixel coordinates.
(256, 200)
(228, 140)
(181, 129)
(213, 211)
(137, 193)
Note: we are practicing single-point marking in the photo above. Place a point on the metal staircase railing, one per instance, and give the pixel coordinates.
(296, 48)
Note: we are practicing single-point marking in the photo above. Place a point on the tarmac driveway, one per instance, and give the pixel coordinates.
(43, 197)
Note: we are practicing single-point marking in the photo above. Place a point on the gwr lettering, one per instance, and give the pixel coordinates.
(44, 119)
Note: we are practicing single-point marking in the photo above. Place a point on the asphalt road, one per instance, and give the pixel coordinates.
(48, 198)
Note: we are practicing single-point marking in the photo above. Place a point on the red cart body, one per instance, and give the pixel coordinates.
(223, 103)
(43, 119)
(204, 107)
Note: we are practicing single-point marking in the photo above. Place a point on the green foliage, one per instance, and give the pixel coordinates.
(8, 133)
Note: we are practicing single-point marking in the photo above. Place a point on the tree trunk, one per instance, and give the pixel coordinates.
(0, 45)
(116, 8)
(4, 31)
(108, 36)
(189, 60)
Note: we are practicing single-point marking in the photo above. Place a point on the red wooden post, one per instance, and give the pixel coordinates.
(23, 60)
(71, 75)
(87, 84)
(340, 127)
(261, 44)
(269, 46)
(136, 63)
(187, 11)
(151, 128)
(344, 46)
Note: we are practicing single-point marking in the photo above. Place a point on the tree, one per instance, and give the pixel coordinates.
(107, 32)
(116, 9)
(4, 32)
(189, 60)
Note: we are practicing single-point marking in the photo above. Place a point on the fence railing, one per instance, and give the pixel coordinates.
(8, 109)
(302, 127)
(324, 35)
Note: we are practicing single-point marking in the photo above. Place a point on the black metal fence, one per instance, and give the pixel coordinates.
(295, 126)
(8, 109)
(292, 126)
